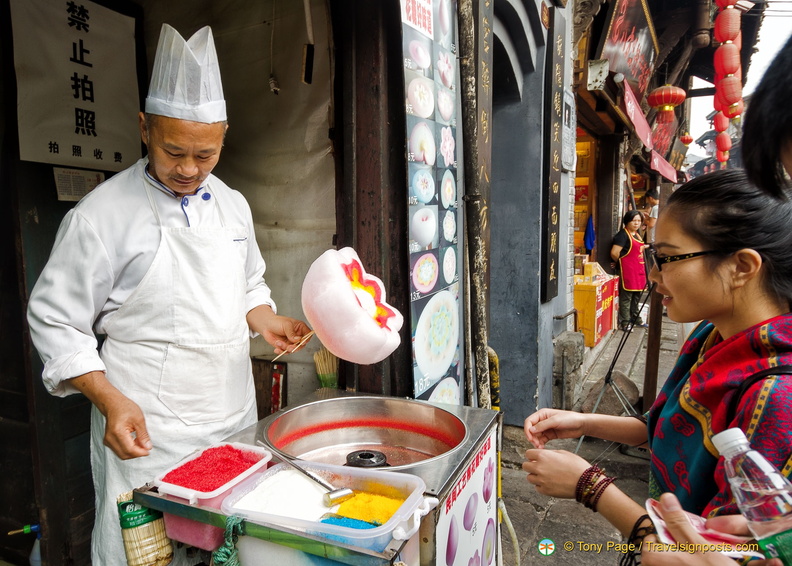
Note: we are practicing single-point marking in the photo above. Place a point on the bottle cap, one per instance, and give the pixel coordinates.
(729, 441)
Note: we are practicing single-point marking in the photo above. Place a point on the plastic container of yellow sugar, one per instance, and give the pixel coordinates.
(262, 487)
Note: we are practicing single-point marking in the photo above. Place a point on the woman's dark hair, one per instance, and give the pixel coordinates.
(629, 215)
(767, 126)
(724, 211)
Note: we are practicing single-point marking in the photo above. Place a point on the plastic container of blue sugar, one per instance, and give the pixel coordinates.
(341, 521)
(401, 526)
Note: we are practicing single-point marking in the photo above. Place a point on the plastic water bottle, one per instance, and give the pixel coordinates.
(35, 553)
(763, 494)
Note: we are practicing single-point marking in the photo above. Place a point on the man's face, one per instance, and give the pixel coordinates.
(181, 153)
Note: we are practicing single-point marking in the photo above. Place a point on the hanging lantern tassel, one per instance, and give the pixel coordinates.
(664, 99)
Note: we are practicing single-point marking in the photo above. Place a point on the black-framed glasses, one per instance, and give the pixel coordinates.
(660, 261)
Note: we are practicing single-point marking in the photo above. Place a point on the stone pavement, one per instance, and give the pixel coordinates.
(536, 517)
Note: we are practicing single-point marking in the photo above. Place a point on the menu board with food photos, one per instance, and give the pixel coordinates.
(434, 191)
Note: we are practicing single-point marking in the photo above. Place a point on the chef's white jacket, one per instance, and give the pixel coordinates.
(103, 248)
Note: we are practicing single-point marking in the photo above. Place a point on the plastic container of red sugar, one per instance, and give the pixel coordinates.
(230, 462)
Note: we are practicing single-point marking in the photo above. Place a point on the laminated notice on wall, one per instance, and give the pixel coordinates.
(74, 184)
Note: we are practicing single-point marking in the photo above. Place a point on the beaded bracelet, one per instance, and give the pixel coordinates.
(633, 556)
(599, 489)
(589, 490)
(591, 485)
(585, 481)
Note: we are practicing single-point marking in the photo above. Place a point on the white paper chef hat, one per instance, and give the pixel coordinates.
(185, 81)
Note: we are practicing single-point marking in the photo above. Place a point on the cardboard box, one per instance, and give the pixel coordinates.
(580, 261)
(596, 303)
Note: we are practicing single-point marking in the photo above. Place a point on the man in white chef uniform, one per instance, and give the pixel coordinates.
(162, 259)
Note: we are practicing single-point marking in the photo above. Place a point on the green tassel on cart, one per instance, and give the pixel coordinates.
(228, 554)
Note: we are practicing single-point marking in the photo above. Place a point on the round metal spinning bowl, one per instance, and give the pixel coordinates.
(365, 431)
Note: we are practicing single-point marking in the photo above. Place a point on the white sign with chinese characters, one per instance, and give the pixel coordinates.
(74, 184)
(77, 93)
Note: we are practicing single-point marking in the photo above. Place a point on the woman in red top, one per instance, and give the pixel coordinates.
(627, 251)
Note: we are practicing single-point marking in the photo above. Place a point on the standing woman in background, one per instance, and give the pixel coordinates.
(627, 252)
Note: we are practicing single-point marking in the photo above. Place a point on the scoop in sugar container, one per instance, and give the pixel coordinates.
(271, 498)
(332, 496)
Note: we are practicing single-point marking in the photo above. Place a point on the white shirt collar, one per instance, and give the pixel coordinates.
(160, 186)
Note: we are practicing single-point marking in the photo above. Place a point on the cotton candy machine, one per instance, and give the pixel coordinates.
(453, 449)
(368, 432)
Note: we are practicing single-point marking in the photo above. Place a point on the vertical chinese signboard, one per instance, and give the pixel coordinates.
(554, 125)
(434, 190)
(77, 91)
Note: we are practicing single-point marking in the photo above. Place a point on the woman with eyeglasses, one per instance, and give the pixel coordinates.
(723, 255)
(627, 253)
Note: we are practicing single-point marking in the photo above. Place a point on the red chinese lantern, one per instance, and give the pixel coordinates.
(727, 59)
(735, 109)
(720, 122)
(727, 25)
(722, 156)
(723, 142)
(716, 105)
(738, 40)
(723, 4)
(686, 138)
(729, 90)
(664, 99)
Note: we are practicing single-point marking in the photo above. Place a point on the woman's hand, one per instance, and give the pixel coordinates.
(550, 424)
(652, 553)
(554, 472)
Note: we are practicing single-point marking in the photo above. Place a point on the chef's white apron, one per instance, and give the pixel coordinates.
(178, 347)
